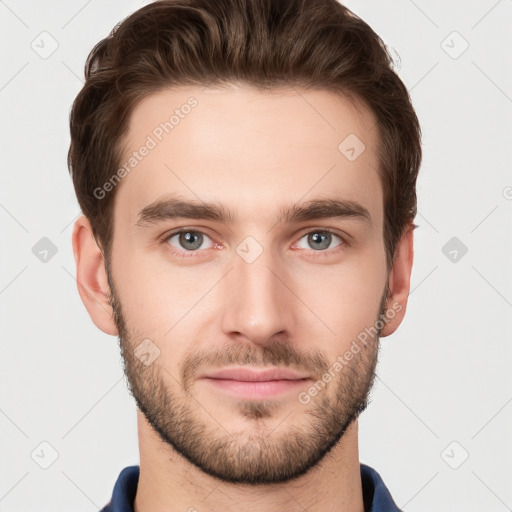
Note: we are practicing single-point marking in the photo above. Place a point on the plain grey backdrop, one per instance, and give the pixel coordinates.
(438, 429)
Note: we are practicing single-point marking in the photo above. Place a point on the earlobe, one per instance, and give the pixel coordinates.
(399, 283)
(91, 276)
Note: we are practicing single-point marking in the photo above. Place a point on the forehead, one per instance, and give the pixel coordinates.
(249, 149)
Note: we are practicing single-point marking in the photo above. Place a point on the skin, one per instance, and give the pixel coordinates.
(294, 306)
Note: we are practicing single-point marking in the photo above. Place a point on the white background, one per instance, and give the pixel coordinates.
(444, 376)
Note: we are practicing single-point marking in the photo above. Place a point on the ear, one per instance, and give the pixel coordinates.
(91, 276)
(399, 283)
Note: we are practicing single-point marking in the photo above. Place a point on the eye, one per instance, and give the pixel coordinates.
(320, 240)
(187, 239)
(189, 242)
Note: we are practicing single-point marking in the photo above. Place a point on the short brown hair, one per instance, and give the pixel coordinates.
(312, 44)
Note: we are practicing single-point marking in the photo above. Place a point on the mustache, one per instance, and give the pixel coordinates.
(278, 354)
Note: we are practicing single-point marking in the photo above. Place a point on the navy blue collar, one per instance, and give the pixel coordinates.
(376, 496)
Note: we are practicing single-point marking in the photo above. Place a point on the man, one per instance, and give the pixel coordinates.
(247, 171)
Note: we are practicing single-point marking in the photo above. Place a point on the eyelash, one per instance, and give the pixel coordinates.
(187, 254)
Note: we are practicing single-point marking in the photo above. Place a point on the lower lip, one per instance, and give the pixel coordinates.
(259, 389)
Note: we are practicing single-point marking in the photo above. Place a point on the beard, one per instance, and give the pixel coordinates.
(246, 457)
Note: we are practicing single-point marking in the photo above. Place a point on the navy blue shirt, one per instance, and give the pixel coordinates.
(376, 496)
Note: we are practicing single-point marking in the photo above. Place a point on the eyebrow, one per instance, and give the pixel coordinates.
(173, 208)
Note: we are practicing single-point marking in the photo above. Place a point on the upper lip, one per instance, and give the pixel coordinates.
(245, 374)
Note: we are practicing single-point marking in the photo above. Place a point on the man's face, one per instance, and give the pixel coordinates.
(254, 291)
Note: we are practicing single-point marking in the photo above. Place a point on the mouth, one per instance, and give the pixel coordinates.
(255, 384)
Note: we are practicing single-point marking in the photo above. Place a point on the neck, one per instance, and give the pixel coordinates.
(168, 482)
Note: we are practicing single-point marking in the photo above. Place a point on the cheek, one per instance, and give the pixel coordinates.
(158, 305)
(345, 297)
(161, 298)
(146, 294)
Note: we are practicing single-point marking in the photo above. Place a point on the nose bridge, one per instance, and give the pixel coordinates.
(257, 303)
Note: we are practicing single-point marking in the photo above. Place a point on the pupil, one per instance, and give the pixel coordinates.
(319, 238)
(189, 236)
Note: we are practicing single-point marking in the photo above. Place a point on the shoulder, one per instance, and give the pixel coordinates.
(376, 495)
(124, 492)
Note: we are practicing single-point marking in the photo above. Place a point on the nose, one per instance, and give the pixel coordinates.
(257, 305)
